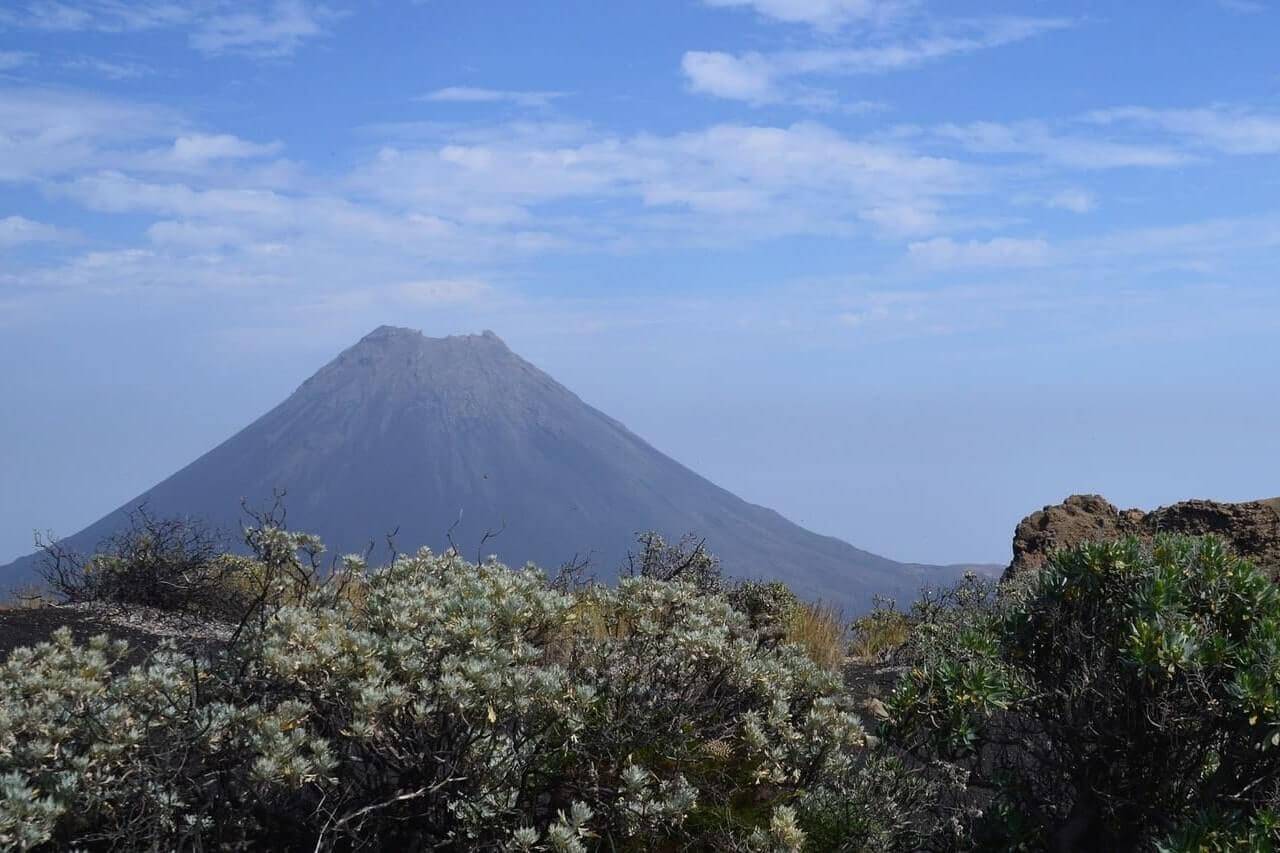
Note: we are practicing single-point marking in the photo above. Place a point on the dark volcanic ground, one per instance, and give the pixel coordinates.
(141, 628)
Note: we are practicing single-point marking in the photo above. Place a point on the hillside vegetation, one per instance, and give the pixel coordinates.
(1126, 697)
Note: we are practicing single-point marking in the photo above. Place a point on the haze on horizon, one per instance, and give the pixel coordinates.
(903, 271)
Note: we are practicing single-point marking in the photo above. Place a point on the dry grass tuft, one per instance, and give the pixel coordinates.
(820, 630)
(27, 598)
(879, 633)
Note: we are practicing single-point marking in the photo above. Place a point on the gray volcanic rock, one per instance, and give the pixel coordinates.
(1252, 529)
(450, 438)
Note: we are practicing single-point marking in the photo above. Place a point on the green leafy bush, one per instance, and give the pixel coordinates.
(180, 566)
(768, 606)
(881, 632)
(1128, 694)
(449, 706)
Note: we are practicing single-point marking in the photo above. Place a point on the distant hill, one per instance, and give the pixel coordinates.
(457, 436)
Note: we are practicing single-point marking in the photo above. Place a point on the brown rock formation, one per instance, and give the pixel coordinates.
(1252, 529)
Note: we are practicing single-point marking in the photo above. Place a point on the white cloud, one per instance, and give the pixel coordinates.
(760, 78)
(15, 230)
(263, 28)
(1074, 200)
(945, 253)
(823, 14)
(1197, 244)
(116, 192)
(272, 32)
(108, 69)
(1125, 137)
(195, 235)
(1071, 149)
(439, 208)
(1204, 247)
(734, 182)
(903, 219)
(443, 291)
(99, 15)
(1228, 130)
(741, 78)
(1244, 7)
(199, 149)
(473, 95)
(11, 59)
(45, 132)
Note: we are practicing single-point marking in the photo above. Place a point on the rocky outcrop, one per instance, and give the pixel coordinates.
(1252, 529)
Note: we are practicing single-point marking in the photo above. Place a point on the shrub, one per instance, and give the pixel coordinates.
(1128, 694)
(448, 706)
(776, 615)
(168, 563)
(881, 632)
(687, 560)
(180, 566)
(770, 607)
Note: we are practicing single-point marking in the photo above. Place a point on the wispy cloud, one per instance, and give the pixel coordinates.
(824, 14)
(15, 230)
(1225, 129)
(946, 253)
(1204, 247)
(1073, 199)
(473, 95)
(196, 150)
(443, 291)
(725, 182)
(275, 31)
(750, 77)
(1243, 7)
(764, 78)
(261, 28)
(99, 15)
(430, 214)
(429, 208)
(1068, 147)
(108, 69)
(48, 132)
(11, 59)
(1124, 137)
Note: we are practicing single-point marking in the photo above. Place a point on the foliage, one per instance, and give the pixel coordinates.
(821, 631)
(448, 706)
(687, 560)
(179, 566)
(1128, 694)
(880, 633)
(1127, 697)
(770, 607)
(170, 563)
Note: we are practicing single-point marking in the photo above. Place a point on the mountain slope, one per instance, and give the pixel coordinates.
(453, 437)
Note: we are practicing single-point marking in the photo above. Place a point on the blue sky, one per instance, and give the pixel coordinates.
(903, 270)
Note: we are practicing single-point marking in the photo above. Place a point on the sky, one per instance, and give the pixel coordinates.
(903, 270)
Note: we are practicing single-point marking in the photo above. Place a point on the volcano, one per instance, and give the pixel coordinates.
(459, 440)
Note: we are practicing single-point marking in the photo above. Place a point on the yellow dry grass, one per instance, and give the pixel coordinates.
(879, 633)
(820, 630)
(27, 598)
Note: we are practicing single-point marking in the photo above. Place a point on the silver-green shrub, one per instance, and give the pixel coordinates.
(446, 706)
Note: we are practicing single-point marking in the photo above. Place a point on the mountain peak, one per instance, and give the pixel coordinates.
(454, 440)
(385, 332)
(411, 337)
(456, 373)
